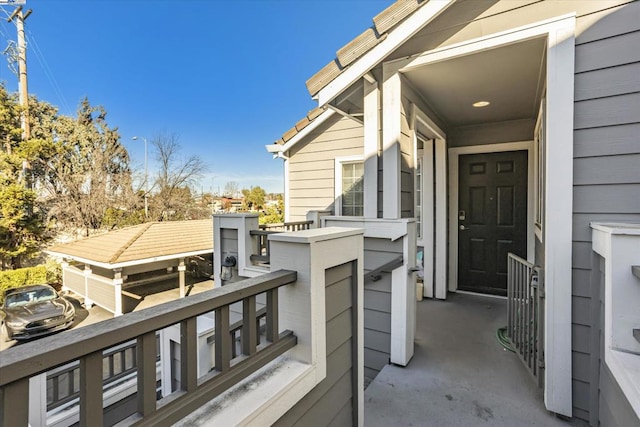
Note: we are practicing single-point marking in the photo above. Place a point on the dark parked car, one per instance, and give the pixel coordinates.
(35, 310)
(201, 265)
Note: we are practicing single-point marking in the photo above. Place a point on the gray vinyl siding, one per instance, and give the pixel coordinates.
(491, 133)
(606, 144)
(606, 186)
(377, 306)
(102, 294)
(331, 402)
(312, 165)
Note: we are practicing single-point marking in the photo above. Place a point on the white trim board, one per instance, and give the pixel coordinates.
(454, 155)
(422, 122)
(398, 36)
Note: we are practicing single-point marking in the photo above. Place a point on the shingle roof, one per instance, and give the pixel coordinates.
(382, 23)
(346, 55)
(142, 242)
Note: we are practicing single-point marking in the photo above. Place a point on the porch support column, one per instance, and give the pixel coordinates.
(117, 285)
(391, 134)
(558, 217)
(371, 145)
(88, 302)
(440, 266)
(181, 269)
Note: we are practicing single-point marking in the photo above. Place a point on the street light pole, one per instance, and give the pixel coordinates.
(146, 178)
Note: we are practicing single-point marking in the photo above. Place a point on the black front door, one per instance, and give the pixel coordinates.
(492, 218)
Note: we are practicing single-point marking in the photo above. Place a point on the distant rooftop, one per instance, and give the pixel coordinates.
(141, 243)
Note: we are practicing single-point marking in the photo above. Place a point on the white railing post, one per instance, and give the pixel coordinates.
(302, 305)
(117, 289)
(38, 400)
(403, 280)
(619, 245)
(316, 217)
(231, 237)
(88, 302)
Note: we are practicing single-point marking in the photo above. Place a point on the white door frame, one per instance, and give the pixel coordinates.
(454, 157)
(560, 33)
(435, 193)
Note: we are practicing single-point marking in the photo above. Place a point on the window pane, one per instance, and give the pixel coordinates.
(353, 189)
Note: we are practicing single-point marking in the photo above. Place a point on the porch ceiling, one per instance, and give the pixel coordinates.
(511, 78)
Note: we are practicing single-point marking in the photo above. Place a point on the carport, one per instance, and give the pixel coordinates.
(101, 268)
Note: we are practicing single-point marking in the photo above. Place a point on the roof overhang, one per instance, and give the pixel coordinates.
(399, 35)
(276, 149)
(111, 266)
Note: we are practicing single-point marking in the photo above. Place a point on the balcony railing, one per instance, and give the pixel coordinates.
(88, 344)
(263, 254)
(118, 363)
(525, 312)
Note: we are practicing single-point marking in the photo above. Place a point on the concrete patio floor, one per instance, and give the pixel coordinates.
(459, 375)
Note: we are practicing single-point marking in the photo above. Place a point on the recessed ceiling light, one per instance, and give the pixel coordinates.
(481, 104)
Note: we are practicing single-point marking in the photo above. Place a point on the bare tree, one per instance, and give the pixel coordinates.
(89, 174)
(176, 176)
(231, 189)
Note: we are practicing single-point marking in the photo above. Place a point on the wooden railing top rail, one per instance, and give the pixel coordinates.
(374, 275)
(289, 226)
(35, 357)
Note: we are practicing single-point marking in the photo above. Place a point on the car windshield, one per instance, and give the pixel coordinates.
(27, 297)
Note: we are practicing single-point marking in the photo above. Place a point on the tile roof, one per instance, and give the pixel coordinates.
(142, 242)
(303, 123)
(382, 24)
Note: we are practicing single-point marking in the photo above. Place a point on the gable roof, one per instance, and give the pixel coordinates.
(142, 243)
(383, 24)
(301, 124)
(346, 55)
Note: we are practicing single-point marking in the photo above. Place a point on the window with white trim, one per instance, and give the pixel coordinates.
(350, 186)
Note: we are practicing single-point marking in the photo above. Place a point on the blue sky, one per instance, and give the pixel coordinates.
(227, 76)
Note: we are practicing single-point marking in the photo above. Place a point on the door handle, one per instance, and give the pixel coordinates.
(462, 227)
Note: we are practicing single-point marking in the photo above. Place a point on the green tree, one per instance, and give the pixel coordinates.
(273, 214)
(254, 197)
(22, 225)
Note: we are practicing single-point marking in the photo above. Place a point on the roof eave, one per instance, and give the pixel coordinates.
(398, 36)
(283, 148)
(111, 266)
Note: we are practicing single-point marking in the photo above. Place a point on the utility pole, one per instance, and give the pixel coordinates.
(19, 17)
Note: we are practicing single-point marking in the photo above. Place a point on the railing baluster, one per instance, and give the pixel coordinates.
(272, 316)
(14, 404)
(91, 390)
(189, 354)
(249, 326)
(146, 358)
(223, 340)
(109, 339)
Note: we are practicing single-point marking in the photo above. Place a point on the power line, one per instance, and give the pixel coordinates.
(48, 72)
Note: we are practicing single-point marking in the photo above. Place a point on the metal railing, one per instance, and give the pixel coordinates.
(525, 312)
(263, 254)
(87, 345)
